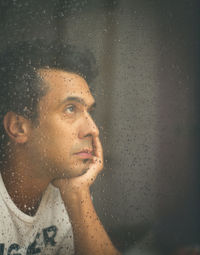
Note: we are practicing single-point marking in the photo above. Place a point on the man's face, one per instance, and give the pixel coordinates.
(62, 143)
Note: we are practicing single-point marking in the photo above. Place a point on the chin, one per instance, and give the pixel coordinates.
(75, 170)
(73, 173)
(78, 172)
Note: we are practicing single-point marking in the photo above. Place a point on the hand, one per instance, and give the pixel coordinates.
(84, 181)
(90, 236)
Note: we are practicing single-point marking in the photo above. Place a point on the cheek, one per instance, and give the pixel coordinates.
(60, 139)
(58, 135)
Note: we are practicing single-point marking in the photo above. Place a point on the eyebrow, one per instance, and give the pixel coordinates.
(78, 100)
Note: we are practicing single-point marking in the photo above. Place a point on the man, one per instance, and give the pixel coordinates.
(50, 152)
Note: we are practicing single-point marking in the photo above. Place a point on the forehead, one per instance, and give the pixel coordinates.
(64, 84)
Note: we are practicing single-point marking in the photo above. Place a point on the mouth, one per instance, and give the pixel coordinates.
(85, 154)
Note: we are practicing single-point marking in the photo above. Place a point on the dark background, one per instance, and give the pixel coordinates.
(148, 109)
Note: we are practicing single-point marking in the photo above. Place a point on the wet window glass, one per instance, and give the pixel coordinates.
(90, 83)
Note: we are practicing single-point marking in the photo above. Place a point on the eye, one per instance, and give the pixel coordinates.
(70, 109)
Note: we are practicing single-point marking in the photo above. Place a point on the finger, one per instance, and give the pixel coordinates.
(93, 170)
(98, 148)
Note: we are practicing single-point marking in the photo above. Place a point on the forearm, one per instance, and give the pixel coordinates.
(90, 237)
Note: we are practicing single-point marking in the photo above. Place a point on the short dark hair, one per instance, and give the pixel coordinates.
(20, 85)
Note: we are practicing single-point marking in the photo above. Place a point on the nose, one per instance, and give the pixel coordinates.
(88, 127)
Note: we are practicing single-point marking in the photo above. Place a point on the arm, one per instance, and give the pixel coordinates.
(90, 237)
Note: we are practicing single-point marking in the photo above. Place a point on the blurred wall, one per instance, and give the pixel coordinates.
(147, 107)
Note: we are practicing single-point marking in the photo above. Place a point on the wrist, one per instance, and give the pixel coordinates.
(75, 196)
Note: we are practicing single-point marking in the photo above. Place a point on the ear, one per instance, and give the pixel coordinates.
(17, 127)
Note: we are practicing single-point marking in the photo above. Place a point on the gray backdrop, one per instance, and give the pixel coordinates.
(147, 108)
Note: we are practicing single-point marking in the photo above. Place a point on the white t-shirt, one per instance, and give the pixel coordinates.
(49, 232)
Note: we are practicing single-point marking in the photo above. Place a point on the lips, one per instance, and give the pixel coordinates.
(85, 153)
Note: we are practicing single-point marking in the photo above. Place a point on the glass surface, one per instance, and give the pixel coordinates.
(147, 95)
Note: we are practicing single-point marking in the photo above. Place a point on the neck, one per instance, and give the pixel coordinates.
(24, 189)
